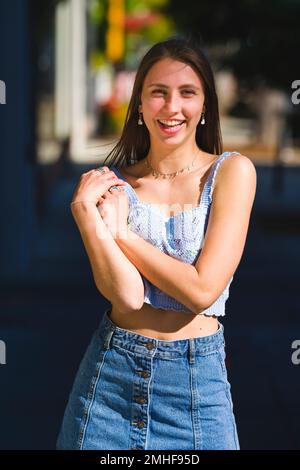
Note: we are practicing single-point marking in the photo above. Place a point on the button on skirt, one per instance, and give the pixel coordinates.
(136, 392)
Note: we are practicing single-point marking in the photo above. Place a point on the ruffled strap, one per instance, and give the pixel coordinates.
(214, 170)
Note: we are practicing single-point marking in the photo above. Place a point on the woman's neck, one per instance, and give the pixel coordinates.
(166, 160)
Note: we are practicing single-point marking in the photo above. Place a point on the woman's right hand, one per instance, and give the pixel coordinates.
(93, 184)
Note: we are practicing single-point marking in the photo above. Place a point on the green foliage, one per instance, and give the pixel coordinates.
(134, 5)
(163, 28)
(97, 11)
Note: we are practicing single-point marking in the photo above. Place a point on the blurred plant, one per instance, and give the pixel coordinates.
(143, 24)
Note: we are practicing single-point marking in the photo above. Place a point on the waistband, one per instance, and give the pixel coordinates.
(113, 335)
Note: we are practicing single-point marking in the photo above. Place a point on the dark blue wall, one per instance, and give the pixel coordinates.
(18, 223)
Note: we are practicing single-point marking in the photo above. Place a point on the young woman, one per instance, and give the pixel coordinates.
(164, 227)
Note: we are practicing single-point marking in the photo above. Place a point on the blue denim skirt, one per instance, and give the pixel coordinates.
(136, 392)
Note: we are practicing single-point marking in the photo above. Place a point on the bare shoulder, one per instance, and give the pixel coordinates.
(236, 167)
(228, 224)
(135, 170)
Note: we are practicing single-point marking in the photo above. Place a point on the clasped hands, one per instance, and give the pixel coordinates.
(113, 209)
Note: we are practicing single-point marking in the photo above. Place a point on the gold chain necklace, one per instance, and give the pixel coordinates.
(156, 174)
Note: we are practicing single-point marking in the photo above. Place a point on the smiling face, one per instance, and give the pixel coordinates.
(172, 102)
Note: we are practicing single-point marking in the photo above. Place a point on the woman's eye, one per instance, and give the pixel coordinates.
(158, 92)
(163, 92)
(188, 92)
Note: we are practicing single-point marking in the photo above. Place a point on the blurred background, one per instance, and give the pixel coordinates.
(66, 73)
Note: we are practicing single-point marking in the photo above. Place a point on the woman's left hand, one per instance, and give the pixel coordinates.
(114, 210)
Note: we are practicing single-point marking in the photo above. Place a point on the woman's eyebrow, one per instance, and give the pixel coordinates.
(186, 85)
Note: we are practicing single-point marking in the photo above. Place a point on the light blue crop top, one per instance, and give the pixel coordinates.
(180, 236)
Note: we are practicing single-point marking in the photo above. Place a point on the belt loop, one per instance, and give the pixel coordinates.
(107, 337)
(191, 350)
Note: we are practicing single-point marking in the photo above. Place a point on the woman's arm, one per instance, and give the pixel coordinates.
(115, 276)
(176, 278)
(233, 197)
(197, 287)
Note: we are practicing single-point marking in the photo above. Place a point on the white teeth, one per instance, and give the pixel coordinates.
(171, 123)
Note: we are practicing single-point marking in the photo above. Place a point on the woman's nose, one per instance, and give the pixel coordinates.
(172, 103)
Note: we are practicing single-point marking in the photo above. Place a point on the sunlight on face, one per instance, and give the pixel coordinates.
(172, 101)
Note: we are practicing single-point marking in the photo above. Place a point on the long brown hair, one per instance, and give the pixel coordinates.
(134, 142)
